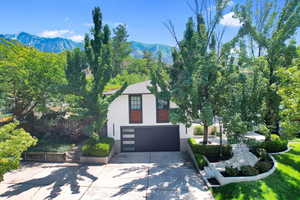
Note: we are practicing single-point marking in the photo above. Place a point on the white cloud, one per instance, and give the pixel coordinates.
(229, 20)
(76, 38)
(55, 33)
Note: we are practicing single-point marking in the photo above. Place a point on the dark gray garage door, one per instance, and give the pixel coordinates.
(150, 138)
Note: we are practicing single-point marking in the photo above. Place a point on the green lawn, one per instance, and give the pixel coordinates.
(284, 184)
(51, 145)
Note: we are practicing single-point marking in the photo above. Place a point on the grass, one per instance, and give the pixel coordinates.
(52, 145)
(283, 184)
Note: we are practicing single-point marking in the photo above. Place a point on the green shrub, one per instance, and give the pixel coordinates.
(212, 151)
(200, 161)
(192, 141)
(275, 137)
(248, 171)
(274, 146)
(262, 153)
(98, 147)
(263, 129)
(230, 171)
(198, 130)
(263, 166)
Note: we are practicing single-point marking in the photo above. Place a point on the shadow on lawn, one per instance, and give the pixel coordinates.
(63, 176)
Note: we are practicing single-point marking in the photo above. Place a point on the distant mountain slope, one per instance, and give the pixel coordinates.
(54, 45)
(57, 45)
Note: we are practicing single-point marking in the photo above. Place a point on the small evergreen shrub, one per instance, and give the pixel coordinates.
(263, 166)
(230, 171)
(274, 146)
(97, 146)
(248, 171)
(200, 161)
(275, 137)
(198, 130)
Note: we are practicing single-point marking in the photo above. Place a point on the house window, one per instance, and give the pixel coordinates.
(135, 109)
(162, 111)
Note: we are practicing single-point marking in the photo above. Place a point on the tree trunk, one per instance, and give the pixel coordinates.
(205, 135)
(221, 139)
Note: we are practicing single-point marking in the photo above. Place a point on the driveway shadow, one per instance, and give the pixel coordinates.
(70, 175)
(165, 180)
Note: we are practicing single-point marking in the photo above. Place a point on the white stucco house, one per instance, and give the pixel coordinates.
(139, 122)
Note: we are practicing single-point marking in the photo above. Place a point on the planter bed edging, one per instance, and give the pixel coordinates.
(226, 180)
(98, 160)
(285, 151)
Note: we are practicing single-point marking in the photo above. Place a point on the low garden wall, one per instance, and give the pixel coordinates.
(98, 160)
(44, 156)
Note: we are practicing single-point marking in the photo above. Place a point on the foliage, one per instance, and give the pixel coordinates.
(120, 48)
(194, 73)
(29, 78)
(231, 171)
(248, 171)
(275, 137)
(275, 146)
(125, 77)
(263, 129)
(97, 146)
(13, 142)
(200, 161)
(198, 130)
(92, 104)
(263, 166)
(289, 92)
(211, 151)
(52, 145)
(270, 28)
(283, 184)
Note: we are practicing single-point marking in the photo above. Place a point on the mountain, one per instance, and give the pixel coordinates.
(54, 45)
(57, 45)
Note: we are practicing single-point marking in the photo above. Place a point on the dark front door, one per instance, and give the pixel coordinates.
(150, 138)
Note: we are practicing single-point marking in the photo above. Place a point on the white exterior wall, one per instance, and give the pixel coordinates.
(118, 115)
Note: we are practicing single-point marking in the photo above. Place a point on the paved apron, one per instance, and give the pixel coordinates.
(129, 176)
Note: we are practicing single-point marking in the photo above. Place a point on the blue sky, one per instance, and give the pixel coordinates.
(71, 18)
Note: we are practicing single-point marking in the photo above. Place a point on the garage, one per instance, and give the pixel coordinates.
(150, 138)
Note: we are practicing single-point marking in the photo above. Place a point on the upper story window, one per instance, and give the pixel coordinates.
(135, 109)
(162, 111)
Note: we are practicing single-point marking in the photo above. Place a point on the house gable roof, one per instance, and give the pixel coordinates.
(137, 88)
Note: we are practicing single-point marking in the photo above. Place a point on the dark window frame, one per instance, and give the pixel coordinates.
(130, 109)
(157, 111)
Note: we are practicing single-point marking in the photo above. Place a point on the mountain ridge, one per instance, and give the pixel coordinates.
(59, 44)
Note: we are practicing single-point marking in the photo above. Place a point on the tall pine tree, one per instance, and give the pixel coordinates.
(88, 73)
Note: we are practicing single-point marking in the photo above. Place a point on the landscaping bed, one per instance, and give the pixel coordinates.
(97, 150)
(211, 152)
(59, 145)
(283, 184)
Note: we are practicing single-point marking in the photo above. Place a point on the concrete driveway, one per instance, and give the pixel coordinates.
(129, 176)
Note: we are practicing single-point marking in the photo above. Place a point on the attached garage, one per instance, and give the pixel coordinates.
(150, 138)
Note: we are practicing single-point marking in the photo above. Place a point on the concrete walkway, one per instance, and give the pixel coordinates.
(130, 176)
(241, 157)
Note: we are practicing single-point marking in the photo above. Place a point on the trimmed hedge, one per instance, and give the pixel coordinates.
(263, 166)
(200, 161)
(211, 152)
(99, 147)
(248, 171)
(230, 171)
(275, 146)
